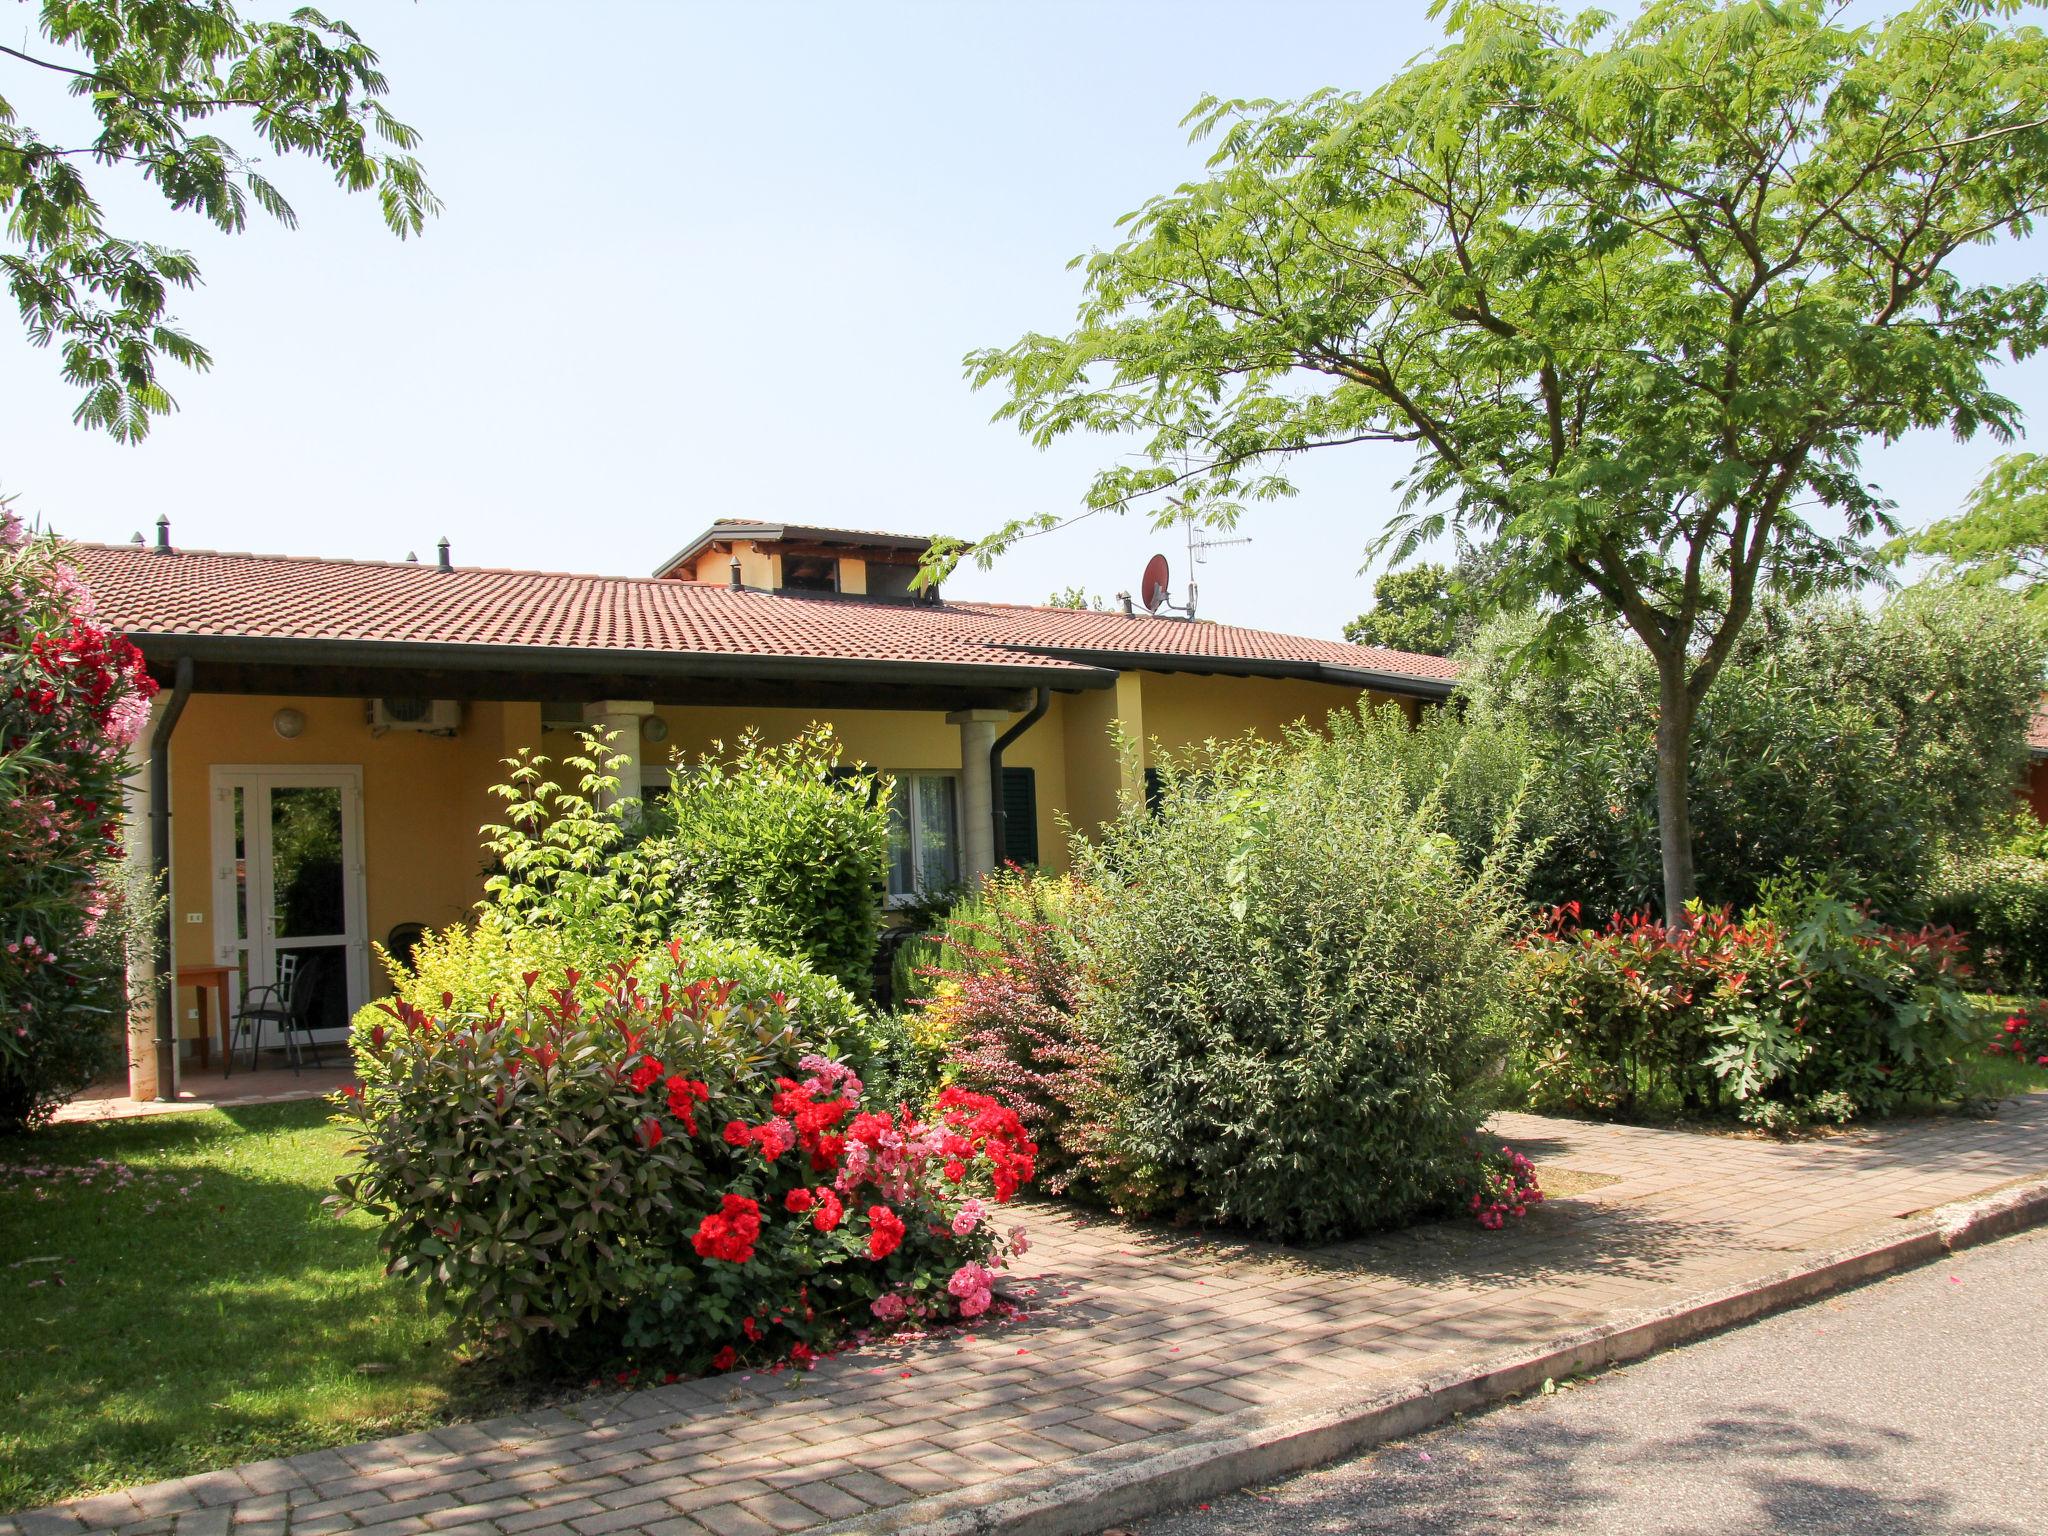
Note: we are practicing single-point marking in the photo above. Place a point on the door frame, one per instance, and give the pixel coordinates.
(223, 780)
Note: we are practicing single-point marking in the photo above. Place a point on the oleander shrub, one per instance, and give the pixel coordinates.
(779, 844)
(1801, 1009)
(73, 697)
(642, 1161)
(1299, 984)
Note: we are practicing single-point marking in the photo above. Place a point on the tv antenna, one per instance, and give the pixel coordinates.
(1155, 588)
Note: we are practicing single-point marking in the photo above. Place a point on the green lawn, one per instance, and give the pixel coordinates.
(177, 1299)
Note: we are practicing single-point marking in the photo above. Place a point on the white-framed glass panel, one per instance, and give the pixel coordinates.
(924, 833)
(288, 881)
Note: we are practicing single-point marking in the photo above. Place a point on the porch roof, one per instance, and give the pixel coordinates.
(255, 622)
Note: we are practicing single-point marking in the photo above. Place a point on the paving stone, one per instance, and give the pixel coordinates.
(731, 1520)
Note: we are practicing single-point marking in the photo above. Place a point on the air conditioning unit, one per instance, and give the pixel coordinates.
(436, 717)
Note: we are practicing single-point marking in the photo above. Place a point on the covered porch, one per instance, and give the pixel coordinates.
(301, 801)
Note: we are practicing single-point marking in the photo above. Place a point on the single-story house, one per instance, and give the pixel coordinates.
(2037, 763)
(328, 731)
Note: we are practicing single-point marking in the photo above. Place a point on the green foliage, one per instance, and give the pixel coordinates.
(1803, 1010)
(1999, 898)
(2001, 535)
(1850, 743)
(156, 78)
(778, 845)
(1415, 609)
(1076, 597)
(466, 970)
(1298, 984)
(1636, 292)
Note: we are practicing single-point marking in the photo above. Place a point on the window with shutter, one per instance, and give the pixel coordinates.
(1020, 817)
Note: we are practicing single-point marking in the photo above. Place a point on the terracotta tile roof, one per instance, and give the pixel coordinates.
(287, 598)
(1097, 634)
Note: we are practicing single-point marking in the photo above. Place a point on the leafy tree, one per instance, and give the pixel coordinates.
(156, 75)
(1412, 610)
(1075, 597)
(1635, 294)
(2002, 534)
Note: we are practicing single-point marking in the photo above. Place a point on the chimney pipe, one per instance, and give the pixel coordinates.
(1125, 599)
(446, 565)
(163, 533)
(733, 574)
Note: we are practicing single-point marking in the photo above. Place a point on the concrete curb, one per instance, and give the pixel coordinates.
(1259, 1445)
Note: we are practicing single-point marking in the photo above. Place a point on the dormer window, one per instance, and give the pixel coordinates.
(810, 573)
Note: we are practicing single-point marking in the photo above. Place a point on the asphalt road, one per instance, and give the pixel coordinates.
(1917, 1405)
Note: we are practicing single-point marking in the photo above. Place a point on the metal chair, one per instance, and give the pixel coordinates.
(286, 1003)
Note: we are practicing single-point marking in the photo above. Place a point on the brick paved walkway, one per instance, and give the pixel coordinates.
(1139, 1335)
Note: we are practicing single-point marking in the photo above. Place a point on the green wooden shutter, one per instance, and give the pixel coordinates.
(1020, 817)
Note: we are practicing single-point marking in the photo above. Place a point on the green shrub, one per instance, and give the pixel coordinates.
(1803, 1009)
(779, 845)
(1999, 899)
(1299, 986)
(1851, 745)
(461, 971)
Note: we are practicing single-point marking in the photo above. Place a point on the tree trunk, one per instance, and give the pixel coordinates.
(1674, 810)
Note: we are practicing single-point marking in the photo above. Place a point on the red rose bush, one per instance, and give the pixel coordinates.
(651, 1164)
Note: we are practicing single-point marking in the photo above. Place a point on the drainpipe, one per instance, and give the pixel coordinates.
(995, 763)
(166, 966)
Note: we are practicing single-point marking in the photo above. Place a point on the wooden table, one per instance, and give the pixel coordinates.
(203, 979)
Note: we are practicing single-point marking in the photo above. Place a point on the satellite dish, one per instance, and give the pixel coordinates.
(1153, 588)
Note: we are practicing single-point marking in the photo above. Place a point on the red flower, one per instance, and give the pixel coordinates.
(730, 1232)
(650, 1133)
(885, 1231)
(797, 1201)
(736, 1133)
(684, 1095)
(725, 1359)
(646, 1075)
(829, 1211)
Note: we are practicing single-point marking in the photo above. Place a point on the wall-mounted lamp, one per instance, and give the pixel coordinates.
(653, 728)
(289, 723)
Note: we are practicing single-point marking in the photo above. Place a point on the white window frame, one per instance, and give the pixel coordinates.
(903, 783)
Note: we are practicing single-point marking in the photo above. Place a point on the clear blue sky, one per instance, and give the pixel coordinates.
(704, 261)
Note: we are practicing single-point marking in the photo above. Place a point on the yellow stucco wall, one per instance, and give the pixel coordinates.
(1184, 710)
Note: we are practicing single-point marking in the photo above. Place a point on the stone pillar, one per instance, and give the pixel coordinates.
(141, 1040)
(622, 718)
(977, 804)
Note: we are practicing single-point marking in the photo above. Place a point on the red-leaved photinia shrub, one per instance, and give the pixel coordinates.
(73, 697)
(1802, 1009)
(657, 1168)
(2024, 1036)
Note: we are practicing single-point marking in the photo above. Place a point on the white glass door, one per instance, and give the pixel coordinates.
(288, 880)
